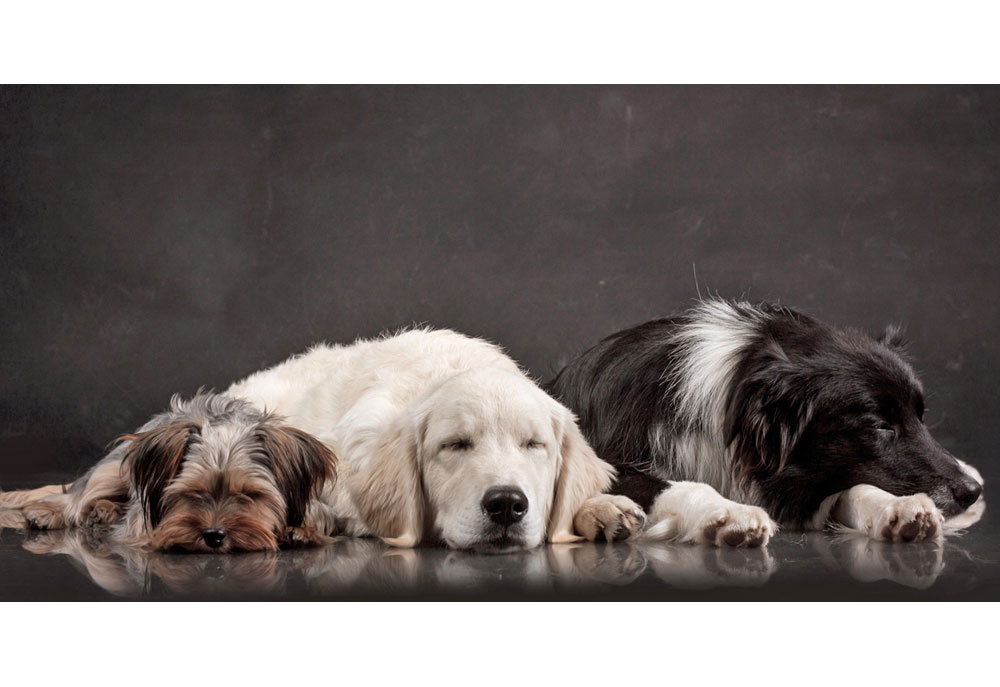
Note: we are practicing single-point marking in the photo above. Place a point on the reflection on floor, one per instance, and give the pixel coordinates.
(365, 568)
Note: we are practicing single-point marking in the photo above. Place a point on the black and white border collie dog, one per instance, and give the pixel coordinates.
(726, 415)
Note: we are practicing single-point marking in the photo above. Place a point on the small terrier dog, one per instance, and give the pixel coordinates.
(213, 473)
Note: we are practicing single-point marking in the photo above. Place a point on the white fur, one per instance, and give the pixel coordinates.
(390, 407)
(697, 513)
(710, 352)
(885, 517)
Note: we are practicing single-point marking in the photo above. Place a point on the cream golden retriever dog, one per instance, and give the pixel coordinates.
(441, 437)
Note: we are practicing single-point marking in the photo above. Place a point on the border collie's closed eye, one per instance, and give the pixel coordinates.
(812, 423)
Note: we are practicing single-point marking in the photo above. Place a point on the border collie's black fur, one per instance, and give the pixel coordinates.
(766, 404)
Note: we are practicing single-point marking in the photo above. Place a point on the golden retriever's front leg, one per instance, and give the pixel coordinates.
(610, 517)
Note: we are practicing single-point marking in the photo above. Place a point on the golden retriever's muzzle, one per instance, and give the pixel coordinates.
(505, 507)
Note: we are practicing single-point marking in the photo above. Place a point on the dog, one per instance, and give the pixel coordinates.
(212, 473)
(801, 422)
(439, 437)
(442, 439)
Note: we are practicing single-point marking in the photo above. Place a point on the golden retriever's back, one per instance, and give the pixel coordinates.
(327, 380)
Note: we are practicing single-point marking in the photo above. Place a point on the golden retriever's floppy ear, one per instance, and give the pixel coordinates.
(581, 475)
(388, 491)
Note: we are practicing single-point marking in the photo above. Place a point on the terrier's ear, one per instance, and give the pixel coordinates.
(152, 460)
(301, 463)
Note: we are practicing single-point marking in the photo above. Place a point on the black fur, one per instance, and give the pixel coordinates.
(810, 410)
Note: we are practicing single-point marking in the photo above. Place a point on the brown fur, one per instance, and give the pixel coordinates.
(172, 486)
(153, 460)
(302, 464)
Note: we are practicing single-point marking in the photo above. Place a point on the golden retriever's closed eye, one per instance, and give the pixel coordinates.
(442, 438)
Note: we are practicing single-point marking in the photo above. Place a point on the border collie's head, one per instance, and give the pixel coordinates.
(816, 410)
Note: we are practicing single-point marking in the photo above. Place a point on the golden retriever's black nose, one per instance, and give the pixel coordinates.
(214, 536)
(966, 492)
(505, 505)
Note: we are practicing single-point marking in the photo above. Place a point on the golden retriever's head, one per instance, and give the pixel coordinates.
(485, 461)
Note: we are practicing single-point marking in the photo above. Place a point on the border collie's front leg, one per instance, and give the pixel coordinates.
(885, 517)
(697, 513)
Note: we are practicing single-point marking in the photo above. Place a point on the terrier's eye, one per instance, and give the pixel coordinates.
(457, 445)
(247, 495)
(534, 443)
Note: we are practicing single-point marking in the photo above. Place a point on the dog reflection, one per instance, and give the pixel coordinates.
(131, 571)
(705, 567)
(597, 564)
(915, 565)
(358, 567)
(463, 571)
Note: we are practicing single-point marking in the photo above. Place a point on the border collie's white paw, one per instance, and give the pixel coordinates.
(609, 517)
(908, 518)
(737, 525)
(696, 513)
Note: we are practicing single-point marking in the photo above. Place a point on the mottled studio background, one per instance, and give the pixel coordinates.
(158, 239)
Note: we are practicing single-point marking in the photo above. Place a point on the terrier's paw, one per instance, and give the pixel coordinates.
(103, 514)
(12, 518)
(737, 525)
(610, 517)
(908, 518)
(41, 515)
(298, 537)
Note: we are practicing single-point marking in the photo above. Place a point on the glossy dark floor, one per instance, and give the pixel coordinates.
(70, 565)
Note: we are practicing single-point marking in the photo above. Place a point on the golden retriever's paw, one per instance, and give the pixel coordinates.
(41, 515)
(908, 518)
(609, 517)
(737, 525)
(104, 513)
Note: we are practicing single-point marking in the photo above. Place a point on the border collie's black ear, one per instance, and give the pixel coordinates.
(765, 417)
(153, 459)
(301, 463)
(893, 338)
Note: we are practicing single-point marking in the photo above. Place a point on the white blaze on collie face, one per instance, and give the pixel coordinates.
(490, 455)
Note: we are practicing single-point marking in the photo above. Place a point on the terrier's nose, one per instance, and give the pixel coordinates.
(966, 492)
(505, 505)
(214, 536)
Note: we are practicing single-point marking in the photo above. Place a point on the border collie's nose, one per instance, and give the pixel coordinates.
(214, 536)
(966, 492)
(505, 505)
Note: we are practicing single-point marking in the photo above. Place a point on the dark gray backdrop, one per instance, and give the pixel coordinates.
(158, 239)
